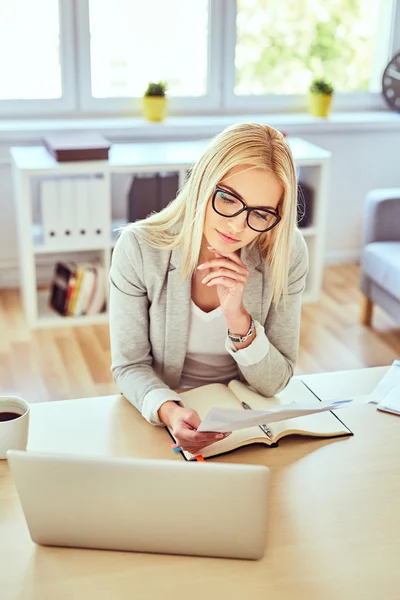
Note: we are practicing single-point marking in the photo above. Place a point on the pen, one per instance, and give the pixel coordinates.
(263, 428)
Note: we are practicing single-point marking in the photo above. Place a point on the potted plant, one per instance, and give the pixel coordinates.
(155, 101)
(320, 98)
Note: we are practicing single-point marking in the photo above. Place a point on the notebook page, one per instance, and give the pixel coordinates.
(203, 398)
(318, 424)
(295, 391)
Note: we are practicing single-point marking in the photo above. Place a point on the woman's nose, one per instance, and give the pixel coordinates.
(237, 224)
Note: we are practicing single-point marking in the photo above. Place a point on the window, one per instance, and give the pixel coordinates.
(88, 57)
(133, 42)
(30, 50)
(281, 45)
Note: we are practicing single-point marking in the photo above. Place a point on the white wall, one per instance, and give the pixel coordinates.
(360, 162)
(363, 158)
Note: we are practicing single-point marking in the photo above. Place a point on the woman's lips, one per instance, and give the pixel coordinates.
(226, 238)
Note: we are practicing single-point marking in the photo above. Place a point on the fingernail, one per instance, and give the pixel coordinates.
(219, 436)
(200, 267)
(204, 279)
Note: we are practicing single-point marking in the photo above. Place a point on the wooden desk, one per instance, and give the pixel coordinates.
(334, 519)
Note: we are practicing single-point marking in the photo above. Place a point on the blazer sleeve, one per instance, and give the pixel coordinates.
(270, 369)
(131, 358)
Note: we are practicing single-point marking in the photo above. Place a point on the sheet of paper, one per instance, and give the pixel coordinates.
(221, 419)
(387, 383)
(391, 402)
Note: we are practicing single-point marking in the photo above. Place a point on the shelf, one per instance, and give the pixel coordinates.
(35, 163)
(49, 318)
(40, 248)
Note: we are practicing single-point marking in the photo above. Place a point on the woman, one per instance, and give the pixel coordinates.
(209, 289)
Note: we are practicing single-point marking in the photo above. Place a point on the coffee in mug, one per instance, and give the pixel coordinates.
(14, 424)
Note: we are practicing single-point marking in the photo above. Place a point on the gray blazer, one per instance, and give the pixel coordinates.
(149, 321)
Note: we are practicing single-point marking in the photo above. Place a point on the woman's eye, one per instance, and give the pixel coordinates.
(262, 216)
(225, 198)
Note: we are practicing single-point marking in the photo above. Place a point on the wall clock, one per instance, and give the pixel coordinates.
(391, 83)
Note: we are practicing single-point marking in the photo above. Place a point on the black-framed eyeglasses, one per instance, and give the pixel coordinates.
(227, 204)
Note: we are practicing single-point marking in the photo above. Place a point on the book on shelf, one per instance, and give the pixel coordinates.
(78, 289)
(67, 147)
(231, 396)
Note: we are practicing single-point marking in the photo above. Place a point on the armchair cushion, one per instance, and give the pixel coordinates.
(381, 262)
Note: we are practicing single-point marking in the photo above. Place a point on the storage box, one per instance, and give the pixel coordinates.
(70, 147)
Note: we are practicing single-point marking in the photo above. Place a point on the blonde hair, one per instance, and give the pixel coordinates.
(181, 222)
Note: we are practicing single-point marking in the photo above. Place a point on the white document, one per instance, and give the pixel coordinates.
(391, 402)
(387, 383)
(222, 419)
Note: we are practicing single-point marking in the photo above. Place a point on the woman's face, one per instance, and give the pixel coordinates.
(257, 188)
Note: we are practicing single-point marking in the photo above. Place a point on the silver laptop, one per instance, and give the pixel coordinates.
(204, 509)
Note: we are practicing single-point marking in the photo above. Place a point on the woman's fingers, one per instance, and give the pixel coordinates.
(223, 262)
(225, 273)
(232, 256)
(196, 448)
(192, 436)
(225, 281)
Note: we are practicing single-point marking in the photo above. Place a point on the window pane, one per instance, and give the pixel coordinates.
(29, 50)
(133, 42)
(282, 44)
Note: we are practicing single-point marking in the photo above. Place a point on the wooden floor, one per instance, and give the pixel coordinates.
(53, 364)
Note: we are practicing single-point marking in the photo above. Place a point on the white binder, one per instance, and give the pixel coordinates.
(66, 206)
(49, 209)
(82, 212)
(99, 211)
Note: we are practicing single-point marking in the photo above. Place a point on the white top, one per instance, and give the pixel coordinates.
(211, 357)
(207, 360)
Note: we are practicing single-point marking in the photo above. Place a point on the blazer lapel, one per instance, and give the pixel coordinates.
(177, 320)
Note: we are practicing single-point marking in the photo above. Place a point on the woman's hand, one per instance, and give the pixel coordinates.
(183, 423)
(230, 276)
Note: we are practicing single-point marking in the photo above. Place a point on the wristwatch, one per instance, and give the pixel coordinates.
(238, 339)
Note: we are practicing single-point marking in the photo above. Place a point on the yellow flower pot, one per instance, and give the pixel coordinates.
(154, 108)
(319, 105)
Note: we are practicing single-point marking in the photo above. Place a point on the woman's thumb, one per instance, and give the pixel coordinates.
(192, 419)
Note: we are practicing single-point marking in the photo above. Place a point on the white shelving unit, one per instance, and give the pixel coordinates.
(34, 163)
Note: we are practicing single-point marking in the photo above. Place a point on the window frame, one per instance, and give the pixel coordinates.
(77, 100)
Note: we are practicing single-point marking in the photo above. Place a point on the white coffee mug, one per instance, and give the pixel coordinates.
(13, 432)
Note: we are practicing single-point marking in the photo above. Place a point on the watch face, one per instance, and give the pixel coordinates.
(391, 83)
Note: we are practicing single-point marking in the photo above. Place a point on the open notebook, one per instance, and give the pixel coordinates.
(202, 399)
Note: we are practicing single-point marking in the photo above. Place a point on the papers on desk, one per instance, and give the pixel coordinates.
(391, 402)
(223, 420)
(390, 380)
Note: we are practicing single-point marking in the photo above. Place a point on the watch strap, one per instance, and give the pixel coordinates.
(239, 339)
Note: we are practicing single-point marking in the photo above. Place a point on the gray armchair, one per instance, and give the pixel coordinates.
(380, 262)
